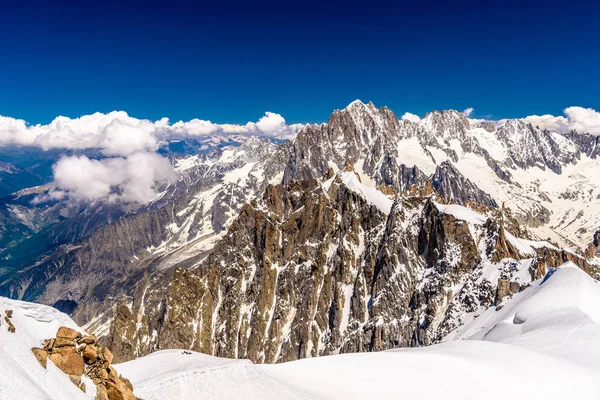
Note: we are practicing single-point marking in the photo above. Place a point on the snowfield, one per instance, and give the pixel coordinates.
(543, 343)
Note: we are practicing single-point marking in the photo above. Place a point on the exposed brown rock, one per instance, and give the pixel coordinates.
(75, 379)
(126, 381)
(107, 355)
(387, 190)
(9, 313)
(116, 390)
(49, 344)
(11, 327)
(41, 355)
(67, 333)
(422, 190)
(64, 342)
(503, 290)
(506, 287)
(91, 339)
(101, 393)
(64, 353)
(68, 360)
(515, 287)
(348, 166)
(329, 174)
(89, 354)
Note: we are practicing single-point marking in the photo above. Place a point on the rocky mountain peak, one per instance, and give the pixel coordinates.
(450, 124)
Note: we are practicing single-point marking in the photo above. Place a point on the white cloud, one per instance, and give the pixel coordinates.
(271, 125)
(115, 133)
(118, 134)
(132, 171)
(195, 127)
(583, 119)
(468, 111)
(550, 122)
(578, 118)
(274, 125)
(131, 179)
(411, 117)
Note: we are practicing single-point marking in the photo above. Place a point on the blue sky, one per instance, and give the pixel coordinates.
(231, 62)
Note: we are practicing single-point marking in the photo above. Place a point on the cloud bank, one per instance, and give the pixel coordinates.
(585, 120)
(118, 134)
(133, 172)
(134, 178)
(411, 117)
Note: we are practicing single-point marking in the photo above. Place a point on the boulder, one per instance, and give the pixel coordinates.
(67, 333)
(89, 354)
(64, 342)
(503, 290)
(87, 340)
(515, 287)
(9, 313)
(68, 360)
(116, 390)
(107, 355)
(41, 355)
(49, 344)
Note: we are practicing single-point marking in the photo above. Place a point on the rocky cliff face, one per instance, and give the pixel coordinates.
(452, 185)
(315, 268)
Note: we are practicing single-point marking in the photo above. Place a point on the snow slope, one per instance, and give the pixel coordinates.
(371, 194)
(544, 343)
(21, 375)
(559, 316)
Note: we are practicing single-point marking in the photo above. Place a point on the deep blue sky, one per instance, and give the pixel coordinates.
(232, 61)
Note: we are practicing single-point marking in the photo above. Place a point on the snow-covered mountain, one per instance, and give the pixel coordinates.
(363, 234)
(548, 179)
(387, 265)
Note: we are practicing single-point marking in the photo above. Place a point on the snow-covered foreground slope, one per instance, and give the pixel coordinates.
(558, 316)
(21, 375)
(544, 343)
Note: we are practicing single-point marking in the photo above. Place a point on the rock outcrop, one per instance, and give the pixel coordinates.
(8, 315)
(80, 355)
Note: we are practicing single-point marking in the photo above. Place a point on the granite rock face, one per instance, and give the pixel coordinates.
(314, 268)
